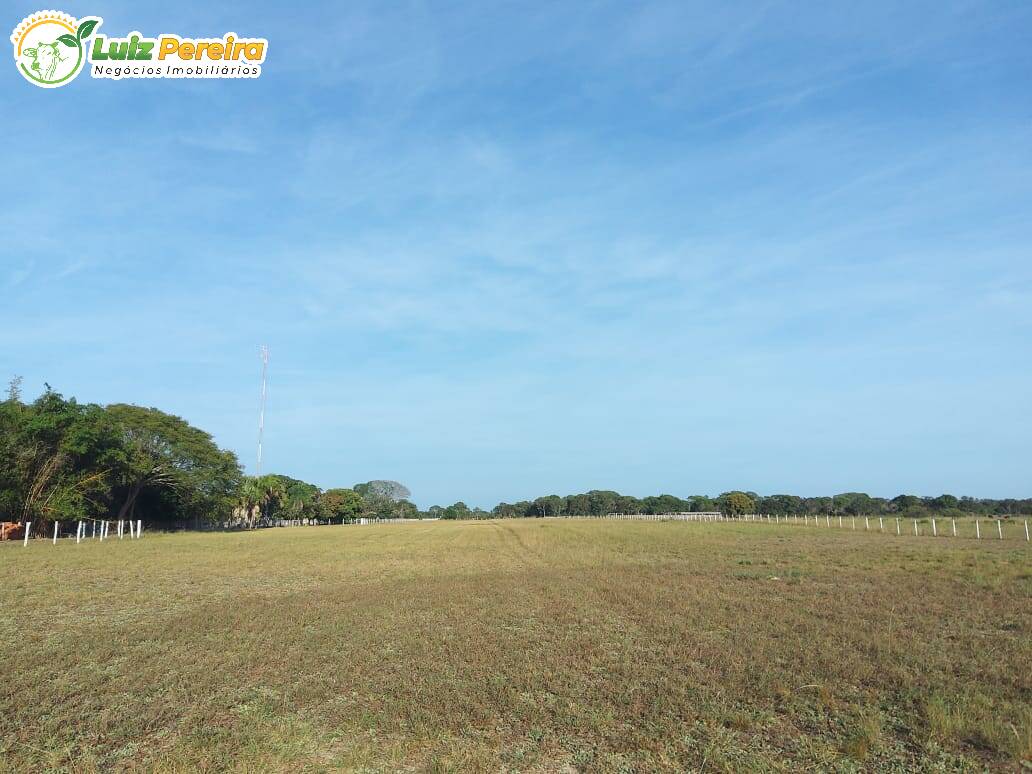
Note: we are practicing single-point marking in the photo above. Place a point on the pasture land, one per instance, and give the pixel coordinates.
(534, 645)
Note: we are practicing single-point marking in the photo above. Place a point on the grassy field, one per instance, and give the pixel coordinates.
(537, 645)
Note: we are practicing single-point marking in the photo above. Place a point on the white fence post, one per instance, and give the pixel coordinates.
(1026, 530)
(867, 522)
(897, 525)
(978, 531)
(935, 532)
(954, 527)
(56, 523)
(28, 529)
(881, 524)
(999, 527)
(915, 528)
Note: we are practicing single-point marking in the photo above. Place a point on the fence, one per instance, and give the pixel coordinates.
(393, 521)
(694, 516)
(898, 525)
(99, 530)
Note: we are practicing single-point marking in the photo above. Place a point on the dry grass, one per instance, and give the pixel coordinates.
(517, 645)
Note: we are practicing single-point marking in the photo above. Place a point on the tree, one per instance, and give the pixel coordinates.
(164, 455)
(944, 502)
(300, 499)
(697, 503)
(56, 457)
(343, 504)
(457, 511)
(550, 505)
(784, 505)
(853, 503)
(392, 490)
(261, 497)
(905, 502)
(736, 503)
(628, 504)
(577, 505)
(601, 502)
(382, 497)
(406, 509)
(502, 511)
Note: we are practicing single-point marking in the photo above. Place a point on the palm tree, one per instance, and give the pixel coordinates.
(259, 497)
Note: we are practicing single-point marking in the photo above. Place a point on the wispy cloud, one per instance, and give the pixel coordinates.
(21, 274)
(505, 249)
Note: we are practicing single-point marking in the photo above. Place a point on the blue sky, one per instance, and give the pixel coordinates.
(500, 250)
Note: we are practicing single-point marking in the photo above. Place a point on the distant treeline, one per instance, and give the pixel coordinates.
(61, 460)
(598, 503)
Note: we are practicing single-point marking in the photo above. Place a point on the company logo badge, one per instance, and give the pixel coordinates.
(51, 48)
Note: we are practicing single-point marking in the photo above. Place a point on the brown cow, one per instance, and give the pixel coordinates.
(10, 530)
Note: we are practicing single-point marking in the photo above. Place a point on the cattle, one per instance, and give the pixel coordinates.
(45, 59)
(10, 530)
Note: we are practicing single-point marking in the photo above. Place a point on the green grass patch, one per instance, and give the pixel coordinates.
(537, 645)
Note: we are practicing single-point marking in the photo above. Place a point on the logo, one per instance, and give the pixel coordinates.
(51, 48)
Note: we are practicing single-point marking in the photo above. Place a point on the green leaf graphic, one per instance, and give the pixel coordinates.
(85, 28)
(68, 40)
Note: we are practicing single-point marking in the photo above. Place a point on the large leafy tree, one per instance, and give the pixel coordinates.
(664, 503)
(392, 490)
(56, 456)
(343, 504)
(163, 454)
(383, 497)
(736, 503)
(550, 505)
(300, 499)
(457, 511)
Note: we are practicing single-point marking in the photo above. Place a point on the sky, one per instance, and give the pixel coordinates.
(500, 250)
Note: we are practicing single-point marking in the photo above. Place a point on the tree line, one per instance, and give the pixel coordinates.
(734, 503)
(61, 460)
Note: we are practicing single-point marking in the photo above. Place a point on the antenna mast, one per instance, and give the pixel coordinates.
(263, 352)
